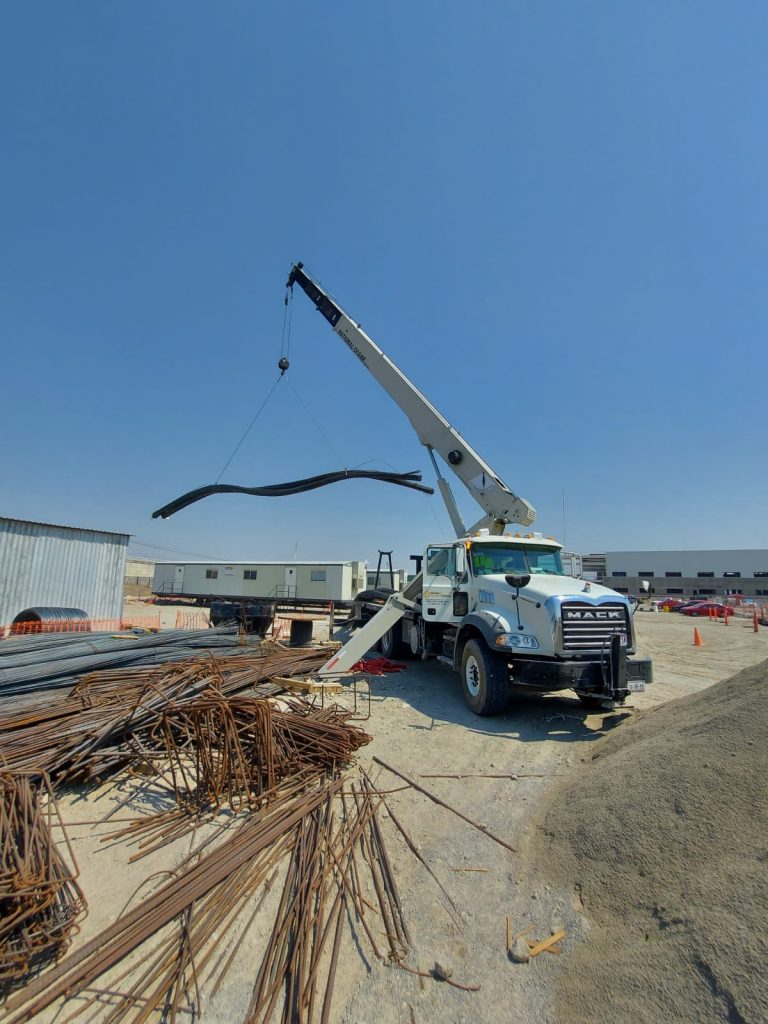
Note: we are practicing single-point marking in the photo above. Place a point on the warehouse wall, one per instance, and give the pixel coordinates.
(60, 566)
(690, 573)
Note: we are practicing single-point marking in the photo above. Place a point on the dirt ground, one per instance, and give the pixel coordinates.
(421, 726)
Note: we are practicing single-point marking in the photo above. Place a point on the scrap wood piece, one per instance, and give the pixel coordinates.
(442, 803)
(546, 944)
(313, 686)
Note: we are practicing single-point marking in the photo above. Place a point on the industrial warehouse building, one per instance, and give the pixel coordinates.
(300, 581)
(50, 566)
(725, 573)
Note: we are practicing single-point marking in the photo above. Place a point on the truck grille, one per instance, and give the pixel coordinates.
(588, 627)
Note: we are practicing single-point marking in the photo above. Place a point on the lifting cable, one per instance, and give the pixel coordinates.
(293, 487)
(283, 364)
(285, 340)
(411, 479)
(250, 426)
(317, 426)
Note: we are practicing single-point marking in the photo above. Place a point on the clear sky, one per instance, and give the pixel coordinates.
(552, 216)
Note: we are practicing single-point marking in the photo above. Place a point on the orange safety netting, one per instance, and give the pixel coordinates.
(151, 622)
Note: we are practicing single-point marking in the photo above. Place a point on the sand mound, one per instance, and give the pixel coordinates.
(664, 835)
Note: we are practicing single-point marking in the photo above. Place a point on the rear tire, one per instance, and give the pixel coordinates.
(484, 679)
(390, 646)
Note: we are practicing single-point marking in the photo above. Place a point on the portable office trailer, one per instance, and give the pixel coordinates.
(43, 565)
(299, 581)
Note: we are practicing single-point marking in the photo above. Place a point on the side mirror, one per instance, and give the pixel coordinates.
(461, 560)
(518, 582)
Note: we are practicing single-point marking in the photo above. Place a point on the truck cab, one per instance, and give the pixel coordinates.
(501, 611)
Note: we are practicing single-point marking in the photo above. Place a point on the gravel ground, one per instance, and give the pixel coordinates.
(662, 838)
(421, 726)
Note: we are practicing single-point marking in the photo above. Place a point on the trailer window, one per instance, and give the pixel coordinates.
(250, 574)
(211, 574)
(317, 575)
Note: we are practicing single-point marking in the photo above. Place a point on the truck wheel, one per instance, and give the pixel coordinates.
(485, 679)
(390, 646)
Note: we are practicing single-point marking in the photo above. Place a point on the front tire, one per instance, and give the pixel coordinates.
(484, 678)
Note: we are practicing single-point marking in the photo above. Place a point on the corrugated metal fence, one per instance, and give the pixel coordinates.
(42, 564)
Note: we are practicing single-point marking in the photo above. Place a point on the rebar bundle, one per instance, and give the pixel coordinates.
(103, 723)
(51, 661)
(40, 900)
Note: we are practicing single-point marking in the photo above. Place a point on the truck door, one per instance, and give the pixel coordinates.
(439, 583)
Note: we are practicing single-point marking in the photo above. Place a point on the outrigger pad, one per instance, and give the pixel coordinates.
(311, 483)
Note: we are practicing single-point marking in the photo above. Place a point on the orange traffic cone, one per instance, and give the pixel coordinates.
(697, 641)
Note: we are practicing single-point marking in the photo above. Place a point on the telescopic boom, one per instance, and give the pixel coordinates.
(500, 504)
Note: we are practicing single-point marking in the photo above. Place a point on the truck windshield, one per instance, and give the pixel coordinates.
(491, 558)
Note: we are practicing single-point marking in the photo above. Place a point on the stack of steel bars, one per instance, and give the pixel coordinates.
(40, 901)
(52, 661)
(103, 724)
(214, 732)
(338, 871)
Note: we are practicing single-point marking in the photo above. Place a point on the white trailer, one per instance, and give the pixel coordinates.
(306, 582)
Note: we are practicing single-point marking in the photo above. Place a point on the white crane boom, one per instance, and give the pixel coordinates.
(500, 504)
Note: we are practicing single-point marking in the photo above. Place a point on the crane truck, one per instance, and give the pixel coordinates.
(495, 607)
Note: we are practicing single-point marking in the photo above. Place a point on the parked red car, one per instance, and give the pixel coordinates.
(671, 604)
(707, 608)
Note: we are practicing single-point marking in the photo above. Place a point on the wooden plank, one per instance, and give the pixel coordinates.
(306, 685)
(540, 947)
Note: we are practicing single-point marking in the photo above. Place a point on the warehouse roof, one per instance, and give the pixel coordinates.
(61, 526)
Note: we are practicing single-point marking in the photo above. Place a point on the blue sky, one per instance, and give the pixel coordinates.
(553, 217)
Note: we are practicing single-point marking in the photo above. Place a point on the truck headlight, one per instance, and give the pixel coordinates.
(519, 640)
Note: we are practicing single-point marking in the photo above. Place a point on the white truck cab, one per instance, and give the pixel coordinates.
(501, 610)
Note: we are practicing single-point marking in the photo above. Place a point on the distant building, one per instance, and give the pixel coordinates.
(291, 581)
(593, 567)
(689, 573)
(139, 572)
(43, 565)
